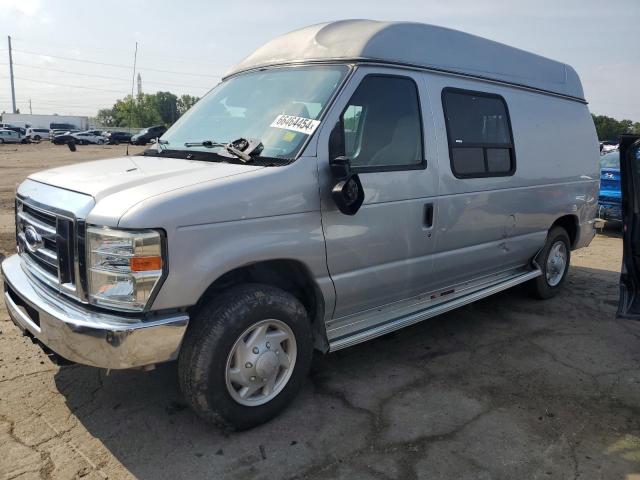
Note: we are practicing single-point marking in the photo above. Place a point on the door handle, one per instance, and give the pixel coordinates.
(428, 215)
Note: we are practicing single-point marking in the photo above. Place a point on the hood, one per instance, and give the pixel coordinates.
(137, 175)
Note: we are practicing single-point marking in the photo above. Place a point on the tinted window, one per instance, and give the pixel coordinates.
(610, 160)
(381, 124)
(479, 134)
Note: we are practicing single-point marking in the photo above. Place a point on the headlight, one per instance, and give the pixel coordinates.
(124, 268)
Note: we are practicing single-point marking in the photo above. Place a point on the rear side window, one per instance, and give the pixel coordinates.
(479, 134)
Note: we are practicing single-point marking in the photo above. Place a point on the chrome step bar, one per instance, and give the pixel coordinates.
(426, 313)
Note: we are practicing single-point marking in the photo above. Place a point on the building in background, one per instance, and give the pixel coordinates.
(44, 121)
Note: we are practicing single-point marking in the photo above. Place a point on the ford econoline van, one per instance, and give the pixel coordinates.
(345, 180)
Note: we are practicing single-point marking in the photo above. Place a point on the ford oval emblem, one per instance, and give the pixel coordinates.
(32, 238)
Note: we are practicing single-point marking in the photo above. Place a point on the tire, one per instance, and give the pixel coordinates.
(1, 141)
(207, 368)
(37, 138)
(551, 281)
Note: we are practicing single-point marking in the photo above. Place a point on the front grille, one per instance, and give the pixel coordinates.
(46, 243)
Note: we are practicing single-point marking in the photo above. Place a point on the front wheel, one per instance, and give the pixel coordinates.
(554, 263)
(245, 356)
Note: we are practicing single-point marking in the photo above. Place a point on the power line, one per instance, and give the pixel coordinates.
(61, 45)
(105, 76)
(58, 104)
(69, 85)
(115, 65)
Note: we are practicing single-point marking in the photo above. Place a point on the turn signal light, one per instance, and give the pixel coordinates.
(144, 264)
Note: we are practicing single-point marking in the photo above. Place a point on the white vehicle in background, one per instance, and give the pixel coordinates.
(90, 136)
(608, 146)
(37, 134)
(9, 136)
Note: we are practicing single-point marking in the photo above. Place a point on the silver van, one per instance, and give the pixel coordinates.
(345, 180)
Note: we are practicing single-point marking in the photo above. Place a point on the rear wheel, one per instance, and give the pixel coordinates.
(37, 138)
(554, 262)
(245, 356)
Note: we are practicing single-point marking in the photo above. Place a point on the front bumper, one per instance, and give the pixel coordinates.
(86, 336)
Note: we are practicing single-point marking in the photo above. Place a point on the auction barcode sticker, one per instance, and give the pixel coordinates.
(297, 124)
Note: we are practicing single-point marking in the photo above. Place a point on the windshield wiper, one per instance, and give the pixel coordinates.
(241, 148)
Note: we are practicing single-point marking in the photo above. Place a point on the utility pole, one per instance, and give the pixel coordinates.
(30, 111)
(13, 88)
(133, 80)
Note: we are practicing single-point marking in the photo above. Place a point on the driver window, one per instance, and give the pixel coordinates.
(382, 126)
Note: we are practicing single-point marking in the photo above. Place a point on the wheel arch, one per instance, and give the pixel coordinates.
(571, 225)
(290, 275)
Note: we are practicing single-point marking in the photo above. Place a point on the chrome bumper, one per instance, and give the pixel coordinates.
(87, 336)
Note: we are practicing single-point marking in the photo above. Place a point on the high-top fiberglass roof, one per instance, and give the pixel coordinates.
(416, 44)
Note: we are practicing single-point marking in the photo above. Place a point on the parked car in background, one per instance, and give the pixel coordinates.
(63, 138)
(148, 134)
(61, 128)
(114, 138)
(89, 136)
(20, 130)
(607, 146)
(610, 199)
(10, 136)
(57, 133)
(37, 134)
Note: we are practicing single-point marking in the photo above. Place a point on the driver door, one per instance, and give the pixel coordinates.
(382, 254)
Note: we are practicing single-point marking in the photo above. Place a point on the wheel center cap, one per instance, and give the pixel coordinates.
(266, 364)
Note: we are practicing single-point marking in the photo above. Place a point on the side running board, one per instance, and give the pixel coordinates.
(424, 314)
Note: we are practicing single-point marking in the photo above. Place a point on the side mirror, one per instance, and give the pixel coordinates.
(347, 192)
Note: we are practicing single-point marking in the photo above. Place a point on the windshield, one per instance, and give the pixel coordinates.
(252, 105)
(610, 160)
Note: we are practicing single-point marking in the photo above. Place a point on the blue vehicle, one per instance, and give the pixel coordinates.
(610, 200)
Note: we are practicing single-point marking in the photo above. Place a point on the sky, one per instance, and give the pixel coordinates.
(74, 57)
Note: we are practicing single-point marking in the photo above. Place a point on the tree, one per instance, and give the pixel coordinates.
(106, 117)
(166, 106)
(610, 129)
(185, 102)
(145, 110)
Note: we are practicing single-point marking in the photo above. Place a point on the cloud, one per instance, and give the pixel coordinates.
(27, 8)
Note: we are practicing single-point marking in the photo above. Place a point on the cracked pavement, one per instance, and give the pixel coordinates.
(508, 387)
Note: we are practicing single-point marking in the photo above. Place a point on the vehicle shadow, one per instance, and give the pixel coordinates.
(612, 229)
(343, 412)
